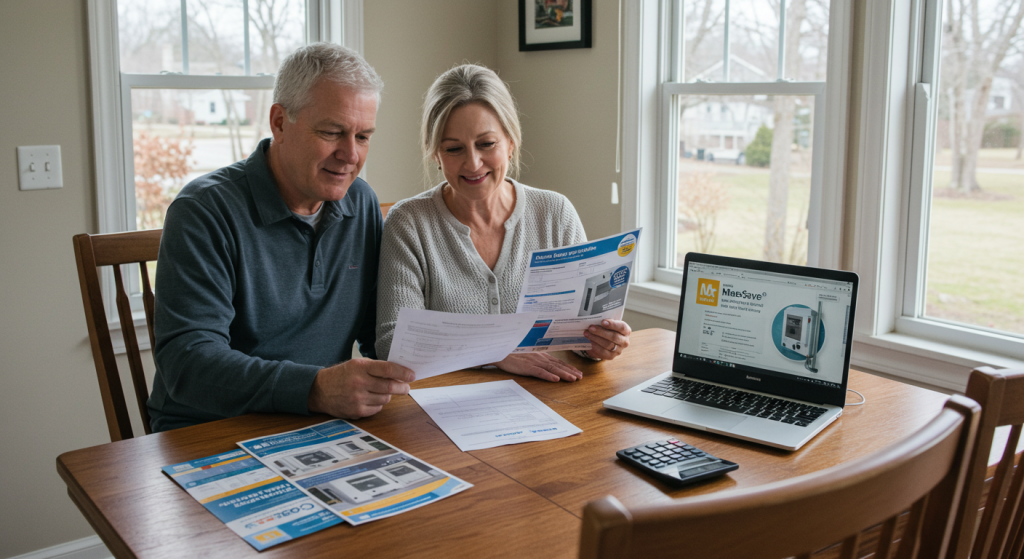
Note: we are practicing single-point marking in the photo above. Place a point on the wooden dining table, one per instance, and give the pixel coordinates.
(526, 499)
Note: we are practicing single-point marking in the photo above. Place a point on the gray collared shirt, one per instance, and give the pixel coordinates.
(251, 302)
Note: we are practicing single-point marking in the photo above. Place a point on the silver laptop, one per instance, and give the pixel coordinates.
(762, 352)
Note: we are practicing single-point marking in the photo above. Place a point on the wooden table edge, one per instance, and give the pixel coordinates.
(115, 544)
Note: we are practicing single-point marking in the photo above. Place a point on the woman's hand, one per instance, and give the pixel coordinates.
(609, 339)
(540, 365)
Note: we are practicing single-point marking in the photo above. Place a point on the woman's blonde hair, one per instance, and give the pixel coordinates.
(468, 83)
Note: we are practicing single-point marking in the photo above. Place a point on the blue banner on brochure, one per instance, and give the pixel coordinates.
(572, 288)
(252, 500)
(351, 473)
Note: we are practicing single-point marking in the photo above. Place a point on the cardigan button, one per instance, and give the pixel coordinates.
(494, 300)
(491, 279)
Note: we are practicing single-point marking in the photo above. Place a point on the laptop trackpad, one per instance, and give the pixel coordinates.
(708, 417)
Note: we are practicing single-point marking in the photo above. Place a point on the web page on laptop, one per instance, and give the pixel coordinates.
(791, 325)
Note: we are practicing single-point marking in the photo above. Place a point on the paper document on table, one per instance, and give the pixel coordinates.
(570, 288)
(433, 343)
(490, 414)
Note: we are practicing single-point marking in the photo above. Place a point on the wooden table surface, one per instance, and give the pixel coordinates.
(527, 498)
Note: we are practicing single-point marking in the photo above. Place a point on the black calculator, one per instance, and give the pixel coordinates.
(675, 462)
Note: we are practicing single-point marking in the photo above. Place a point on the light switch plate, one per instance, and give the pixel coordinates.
(39, 167)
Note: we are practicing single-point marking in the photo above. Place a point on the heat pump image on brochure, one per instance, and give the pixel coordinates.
(599, 295)
(370, 484)
(800, 333)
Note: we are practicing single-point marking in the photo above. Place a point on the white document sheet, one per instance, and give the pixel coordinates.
(432, 343)
(489, 414)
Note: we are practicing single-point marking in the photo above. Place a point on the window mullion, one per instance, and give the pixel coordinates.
(184, 37)
(725, 49)
(245, 37)
(781, 73)
(178, 81)
(922, 151)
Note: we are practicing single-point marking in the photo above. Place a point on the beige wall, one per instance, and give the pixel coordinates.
(568, 103)
(49, 401)
(410, 43)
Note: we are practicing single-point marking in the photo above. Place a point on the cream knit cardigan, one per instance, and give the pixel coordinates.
(428, 261)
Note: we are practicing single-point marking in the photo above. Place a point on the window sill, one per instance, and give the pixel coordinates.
(931, 364)
(655, 299)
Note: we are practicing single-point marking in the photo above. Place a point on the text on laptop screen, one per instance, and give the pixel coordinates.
(790, 325)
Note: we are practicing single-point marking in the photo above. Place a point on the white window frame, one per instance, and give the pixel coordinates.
(337, 21)
(649, 161)
(898, 116)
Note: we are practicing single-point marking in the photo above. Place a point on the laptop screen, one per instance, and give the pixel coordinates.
(771, 327)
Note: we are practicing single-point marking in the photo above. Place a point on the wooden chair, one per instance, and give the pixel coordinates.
(999, 532)
(385, 207)
(115, 249)
(922, 475)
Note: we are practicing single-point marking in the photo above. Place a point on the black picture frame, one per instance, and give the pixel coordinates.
(553, 37)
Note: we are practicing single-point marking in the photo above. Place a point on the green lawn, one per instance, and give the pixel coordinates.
(976, 255)
(976, 247)
(740, 226)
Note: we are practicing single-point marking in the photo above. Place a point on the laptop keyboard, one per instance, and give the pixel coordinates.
(757, 405)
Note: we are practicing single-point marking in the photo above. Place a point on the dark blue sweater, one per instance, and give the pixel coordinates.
(251, 302)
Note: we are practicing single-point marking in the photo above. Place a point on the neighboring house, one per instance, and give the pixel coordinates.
(717, 129)
(1000, 99)
(209, 106)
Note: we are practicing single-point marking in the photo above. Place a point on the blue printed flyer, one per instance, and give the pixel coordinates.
(571, 288)
(253, 501)
(351, 473)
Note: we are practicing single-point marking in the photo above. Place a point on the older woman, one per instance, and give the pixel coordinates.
(463, 245)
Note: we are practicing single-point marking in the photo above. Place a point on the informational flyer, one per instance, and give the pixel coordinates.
(353, 474)
(570, 288)
(251, 499)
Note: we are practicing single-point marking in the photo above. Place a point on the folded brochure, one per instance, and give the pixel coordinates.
(303, 481)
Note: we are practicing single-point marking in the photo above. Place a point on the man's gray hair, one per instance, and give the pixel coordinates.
(303, 69)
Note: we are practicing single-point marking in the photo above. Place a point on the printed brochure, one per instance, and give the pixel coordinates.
(352, 473)
(570, 288)
(249, 498)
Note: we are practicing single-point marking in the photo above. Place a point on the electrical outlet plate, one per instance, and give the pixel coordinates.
(39, 167)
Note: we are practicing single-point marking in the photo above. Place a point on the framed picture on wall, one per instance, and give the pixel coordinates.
(554, 24)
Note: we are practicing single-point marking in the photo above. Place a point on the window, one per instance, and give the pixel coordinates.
(940, 204)
(183, 87)
(734, 143)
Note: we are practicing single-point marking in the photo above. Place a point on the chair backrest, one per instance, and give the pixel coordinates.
(922, 474)
(115, 249)
(999, 533)
(385, 207)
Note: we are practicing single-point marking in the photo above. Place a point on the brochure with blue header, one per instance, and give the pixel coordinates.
(355, 475)
(571, 288)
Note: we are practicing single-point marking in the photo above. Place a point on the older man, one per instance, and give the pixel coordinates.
(268, 268)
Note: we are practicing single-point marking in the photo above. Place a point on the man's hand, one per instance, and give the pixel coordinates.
(609, 339)
(358, 388)
(540, 365)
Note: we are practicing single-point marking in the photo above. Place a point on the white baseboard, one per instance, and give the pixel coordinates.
(85, 548)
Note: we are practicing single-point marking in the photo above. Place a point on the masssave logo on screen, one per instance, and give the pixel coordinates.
(707, 292)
